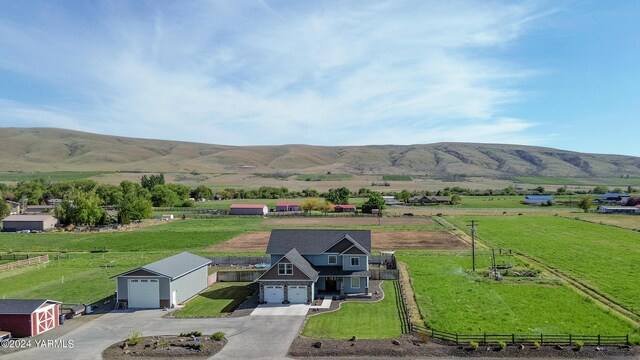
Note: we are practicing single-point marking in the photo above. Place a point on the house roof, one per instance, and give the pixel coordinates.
(613, 195)
(248, 206)
(28, 218)
(21, 306)
(174, 266)
(539, 197)
(440, 198)
(301, 263)
(311, 241)
(284, 203)
(345, 206)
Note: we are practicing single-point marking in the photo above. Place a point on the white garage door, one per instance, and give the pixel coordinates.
(297, 294)
(144, 294)
(274, 294)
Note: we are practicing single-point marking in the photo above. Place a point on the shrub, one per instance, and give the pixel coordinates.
(502, 345)
(134, 338)
(423, 337)
(195, 333)
(218, 336)
(579, 345)
(474, 345)
(161, 344)
(536, 344)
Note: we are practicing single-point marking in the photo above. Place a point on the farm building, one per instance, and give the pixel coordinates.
(24, 318)
(612, 198)
(430, 200)
(344, 208)
(288, 206)
(620, 209)
(15, 207)
(390, 200)
(248, 209)
(164, 283)
(538, 199)
(166, 217)
(39, 209)
(13, 223)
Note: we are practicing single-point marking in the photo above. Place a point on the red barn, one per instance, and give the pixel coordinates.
(24, 318)
(344, 208)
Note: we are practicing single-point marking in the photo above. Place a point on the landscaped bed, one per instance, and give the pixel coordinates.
(218, 300)
(166, 346)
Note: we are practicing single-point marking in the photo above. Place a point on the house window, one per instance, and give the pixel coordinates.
(285, 269)
(355, 282)
(333, 259)
(355, 261)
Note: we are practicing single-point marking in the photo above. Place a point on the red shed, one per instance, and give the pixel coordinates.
(24, 318)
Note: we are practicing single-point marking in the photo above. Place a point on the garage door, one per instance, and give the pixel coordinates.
(45, 319)
(144, 294)
(297, 294)
(274, 294)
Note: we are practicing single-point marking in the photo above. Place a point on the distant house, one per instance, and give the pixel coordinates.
(15, 207)
(391, 200)
(612, 198)
(39, 209)
(430, 200)
(25, 318)
(620, 210)
(538, 199)
(344, 208)
(248, 209)
(13, 223)
(288, 206)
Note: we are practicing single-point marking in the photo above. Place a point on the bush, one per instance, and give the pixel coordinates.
(474, 345)
(579, 345)
(502, 345)
(161, 344)
(188, 203)
(134, 338)
(536, 344)
(218, 336)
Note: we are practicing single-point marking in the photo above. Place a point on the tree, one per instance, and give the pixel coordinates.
(630, 190)
(561, 190)
(202, 192)
(404, 196)
(110, 194)
(338, 196)
(510, 190)
(32, 190)
(374, 201)
(585, 203)
(456, 199)
(309, 192)
(163, 196)
(151, 181)
(182, 191)
(134, 204)
(314, 204)
(540, 189)
(5, 210)
(600, 189)
(81, 208)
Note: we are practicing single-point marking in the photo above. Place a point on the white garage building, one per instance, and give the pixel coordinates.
(164, 283)
(13, 223)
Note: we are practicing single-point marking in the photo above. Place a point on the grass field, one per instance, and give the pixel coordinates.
(551, 180)
(218, 300)
(51, 176)
(379, 320)
(224, 204)
(324, 177)
(397, 178)
(453, 300)
(605, 257)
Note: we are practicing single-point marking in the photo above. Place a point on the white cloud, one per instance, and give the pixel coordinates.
(256, 73)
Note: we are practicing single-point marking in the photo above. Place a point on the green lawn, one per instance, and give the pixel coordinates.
(605, 257)
(397, 178)
(218, 300)
(453, 300)
(380, 320)
(552, 180)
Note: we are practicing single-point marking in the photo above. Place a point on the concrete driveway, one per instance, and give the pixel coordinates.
(250, 337)
(281, 310)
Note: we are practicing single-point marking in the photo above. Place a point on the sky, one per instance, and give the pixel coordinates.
(562, 74)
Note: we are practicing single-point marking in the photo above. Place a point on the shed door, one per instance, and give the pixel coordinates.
(297, 294)
(45, 319)
(144, 294)
(274, 294)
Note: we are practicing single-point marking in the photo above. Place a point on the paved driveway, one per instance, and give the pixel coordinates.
(281, 310)
(250, 337)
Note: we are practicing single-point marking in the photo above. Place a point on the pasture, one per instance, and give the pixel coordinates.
(50, 176)
(604, 257)
(452, 299)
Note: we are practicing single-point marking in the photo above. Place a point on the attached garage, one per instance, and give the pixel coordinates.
(274, 294)
(297, 294)
(24, 318)
(162, 284)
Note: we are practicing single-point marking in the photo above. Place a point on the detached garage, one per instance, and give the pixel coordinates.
(248, 209)
(162, 284)
(24, 318)
(15, 223)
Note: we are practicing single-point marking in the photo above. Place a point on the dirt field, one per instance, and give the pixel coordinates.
(348, 221)
(381, 240)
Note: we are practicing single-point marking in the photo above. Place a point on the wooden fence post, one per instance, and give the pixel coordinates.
(456, 338)
(513, 339)
(540, 339)
(570, 340)
(485, 339)
(598, 339)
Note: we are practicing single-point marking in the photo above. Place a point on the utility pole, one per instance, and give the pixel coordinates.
(473, 245)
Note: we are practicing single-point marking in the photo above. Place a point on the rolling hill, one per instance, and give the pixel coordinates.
(48, 149)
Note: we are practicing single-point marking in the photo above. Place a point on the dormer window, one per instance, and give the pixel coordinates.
(333, 259)
(355, 261)
(285, 269)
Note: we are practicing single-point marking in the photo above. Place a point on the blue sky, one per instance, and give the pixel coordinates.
(562, 74)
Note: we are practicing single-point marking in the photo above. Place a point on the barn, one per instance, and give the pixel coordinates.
(344, 208)
(13, 223)
(162, 284)
(248, 209)
(24, 318)
(287, 206)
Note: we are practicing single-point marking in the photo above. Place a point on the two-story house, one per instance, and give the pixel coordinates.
(306, 263)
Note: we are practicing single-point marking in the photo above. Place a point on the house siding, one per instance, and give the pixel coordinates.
(346, 262)
(364, 286)
(241, 211)
(322, 260)
(189, 285)
(272, 274)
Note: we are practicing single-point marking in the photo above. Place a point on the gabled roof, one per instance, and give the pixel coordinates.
(312, 241)
(345, 206)
(22, 307)
(613, 195)
(248, 206)
(294, 257)
(287, 204)
(174, 266)
(29, 218)
(539, 197)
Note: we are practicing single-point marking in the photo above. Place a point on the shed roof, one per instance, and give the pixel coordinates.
(29, 218)
(284, 203)
(174, 266)
(311, 241)
(345, 206)
(248, 206)
(22, 306)
(539, 197)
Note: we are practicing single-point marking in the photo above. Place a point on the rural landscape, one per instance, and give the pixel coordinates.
(544, 262)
